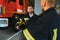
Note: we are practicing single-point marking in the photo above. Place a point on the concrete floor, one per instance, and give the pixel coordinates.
(6, 33)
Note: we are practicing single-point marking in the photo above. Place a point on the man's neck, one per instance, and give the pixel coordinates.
(30, 14)
(46, 8)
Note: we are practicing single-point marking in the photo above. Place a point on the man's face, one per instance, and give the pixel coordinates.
(30, 9)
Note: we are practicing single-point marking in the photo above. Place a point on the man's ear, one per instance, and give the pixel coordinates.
(44, 4)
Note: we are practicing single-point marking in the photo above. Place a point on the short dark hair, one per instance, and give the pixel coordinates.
(29, 6)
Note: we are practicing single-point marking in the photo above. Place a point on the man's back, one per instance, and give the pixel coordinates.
(44, 25)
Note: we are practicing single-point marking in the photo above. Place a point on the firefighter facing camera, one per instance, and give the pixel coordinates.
(30, 11)
(28, 17)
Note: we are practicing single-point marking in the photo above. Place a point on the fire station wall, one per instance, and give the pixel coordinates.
(37, 8)
(58, 5)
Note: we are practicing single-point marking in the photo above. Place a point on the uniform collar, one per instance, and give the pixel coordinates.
(30, 14)
(50, 9)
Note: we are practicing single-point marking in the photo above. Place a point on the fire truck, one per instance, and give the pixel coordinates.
(11, 9)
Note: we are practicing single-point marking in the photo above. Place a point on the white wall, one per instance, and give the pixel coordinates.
(37, 8)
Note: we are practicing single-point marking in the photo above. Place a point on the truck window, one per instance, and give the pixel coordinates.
(20, 2)
(11, 0)
(0, 10)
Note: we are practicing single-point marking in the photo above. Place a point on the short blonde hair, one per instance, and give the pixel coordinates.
(51, 1)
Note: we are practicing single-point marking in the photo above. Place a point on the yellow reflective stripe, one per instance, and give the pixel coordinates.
(55, 34)
(26, 18)
(27, 35)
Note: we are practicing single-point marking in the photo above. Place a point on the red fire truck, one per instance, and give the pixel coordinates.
(9, 9)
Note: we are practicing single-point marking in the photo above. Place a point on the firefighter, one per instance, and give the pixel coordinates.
(30, 14)
(29, 17)
(46, 26)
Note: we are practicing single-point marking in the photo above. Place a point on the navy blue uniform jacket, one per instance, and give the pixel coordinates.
(31, 19)
(42, 28)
